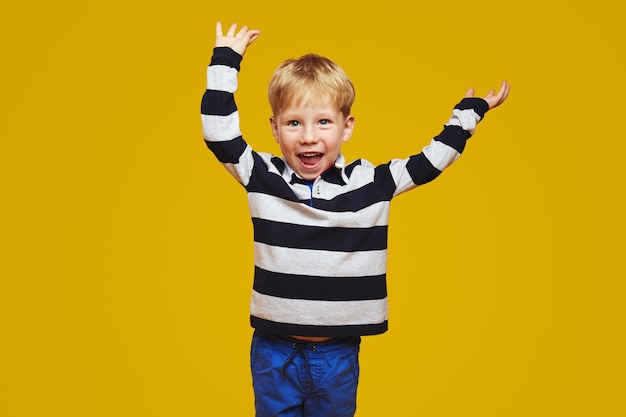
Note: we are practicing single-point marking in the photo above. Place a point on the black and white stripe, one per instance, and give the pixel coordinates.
(320, 253)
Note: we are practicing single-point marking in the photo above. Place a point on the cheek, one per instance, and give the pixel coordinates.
(285, 141)
(290, 137)
(336, 142)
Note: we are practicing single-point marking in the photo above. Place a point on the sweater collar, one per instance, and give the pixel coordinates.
(335, 174)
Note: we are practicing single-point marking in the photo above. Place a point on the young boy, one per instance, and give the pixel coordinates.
(320, 225)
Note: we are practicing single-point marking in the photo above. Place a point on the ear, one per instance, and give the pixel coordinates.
(348, 128)
(274, 126)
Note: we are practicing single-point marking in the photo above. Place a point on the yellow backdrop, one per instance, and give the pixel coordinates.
(126, 248)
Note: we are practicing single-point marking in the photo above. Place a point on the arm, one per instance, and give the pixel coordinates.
(220, 117)
(445, 148)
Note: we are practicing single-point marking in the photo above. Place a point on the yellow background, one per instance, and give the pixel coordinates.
(126, 248)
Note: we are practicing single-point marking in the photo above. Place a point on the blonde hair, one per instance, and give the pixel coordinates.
(297, 80)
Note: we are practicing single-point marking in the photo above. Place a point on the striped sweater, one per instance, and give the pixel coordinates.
(320, 247)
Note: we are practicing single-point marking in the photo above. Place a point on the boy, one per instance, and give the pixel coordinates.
(320, 225)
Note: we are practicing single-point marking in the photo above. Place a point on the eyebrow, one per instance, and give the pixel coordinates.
(323, 113)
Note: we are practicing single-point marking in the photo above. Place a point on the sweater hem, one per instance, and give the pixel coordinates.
(289, 329)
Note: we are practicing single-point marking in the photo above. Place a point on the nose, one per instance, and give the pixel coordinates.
(309, 134)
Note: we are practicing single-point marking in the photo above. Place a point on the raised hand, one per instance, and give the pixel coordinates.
(238, 41)
(493, 99)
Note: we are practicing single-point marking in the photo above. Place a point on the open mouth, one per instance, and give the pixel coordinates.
(310, 158)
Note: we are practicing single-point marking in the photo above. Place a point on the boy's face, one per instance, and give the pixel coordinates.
(310, 135)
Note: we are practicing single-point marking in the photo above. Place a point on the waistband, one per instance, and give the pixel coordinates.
(288, 344)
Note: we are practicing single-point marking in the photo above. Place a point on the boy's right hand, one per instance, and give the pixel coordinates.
(237, 42)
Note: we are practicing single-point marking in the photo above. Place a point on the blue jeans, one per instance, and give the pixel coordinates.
(302, 379)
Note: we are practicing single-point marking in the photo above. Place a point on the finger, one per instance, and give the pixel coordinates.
(242, 32)
(499, 98)
(503, 93)
(501, 90)
(470, 93)
(507, 88)
(231, 30)
(218, 29)
(253, 34)
(490, 93)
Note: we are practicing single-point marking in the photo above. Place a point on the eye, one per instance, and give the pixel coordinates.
(293, 123)
(324, 122)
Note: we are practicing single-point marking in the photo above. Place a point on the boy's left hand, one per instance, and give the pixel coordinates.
(493, 99)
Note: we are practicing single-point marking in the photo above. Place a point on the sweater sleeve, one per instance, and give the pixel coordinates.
(443, 150)
(220, 117)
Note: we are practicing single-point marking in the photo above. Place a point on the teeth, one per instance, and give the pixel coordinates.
(309, 154)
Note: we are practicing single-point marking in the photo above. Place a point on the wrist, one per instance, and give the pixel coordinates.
(479, 105)
(225, 55)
